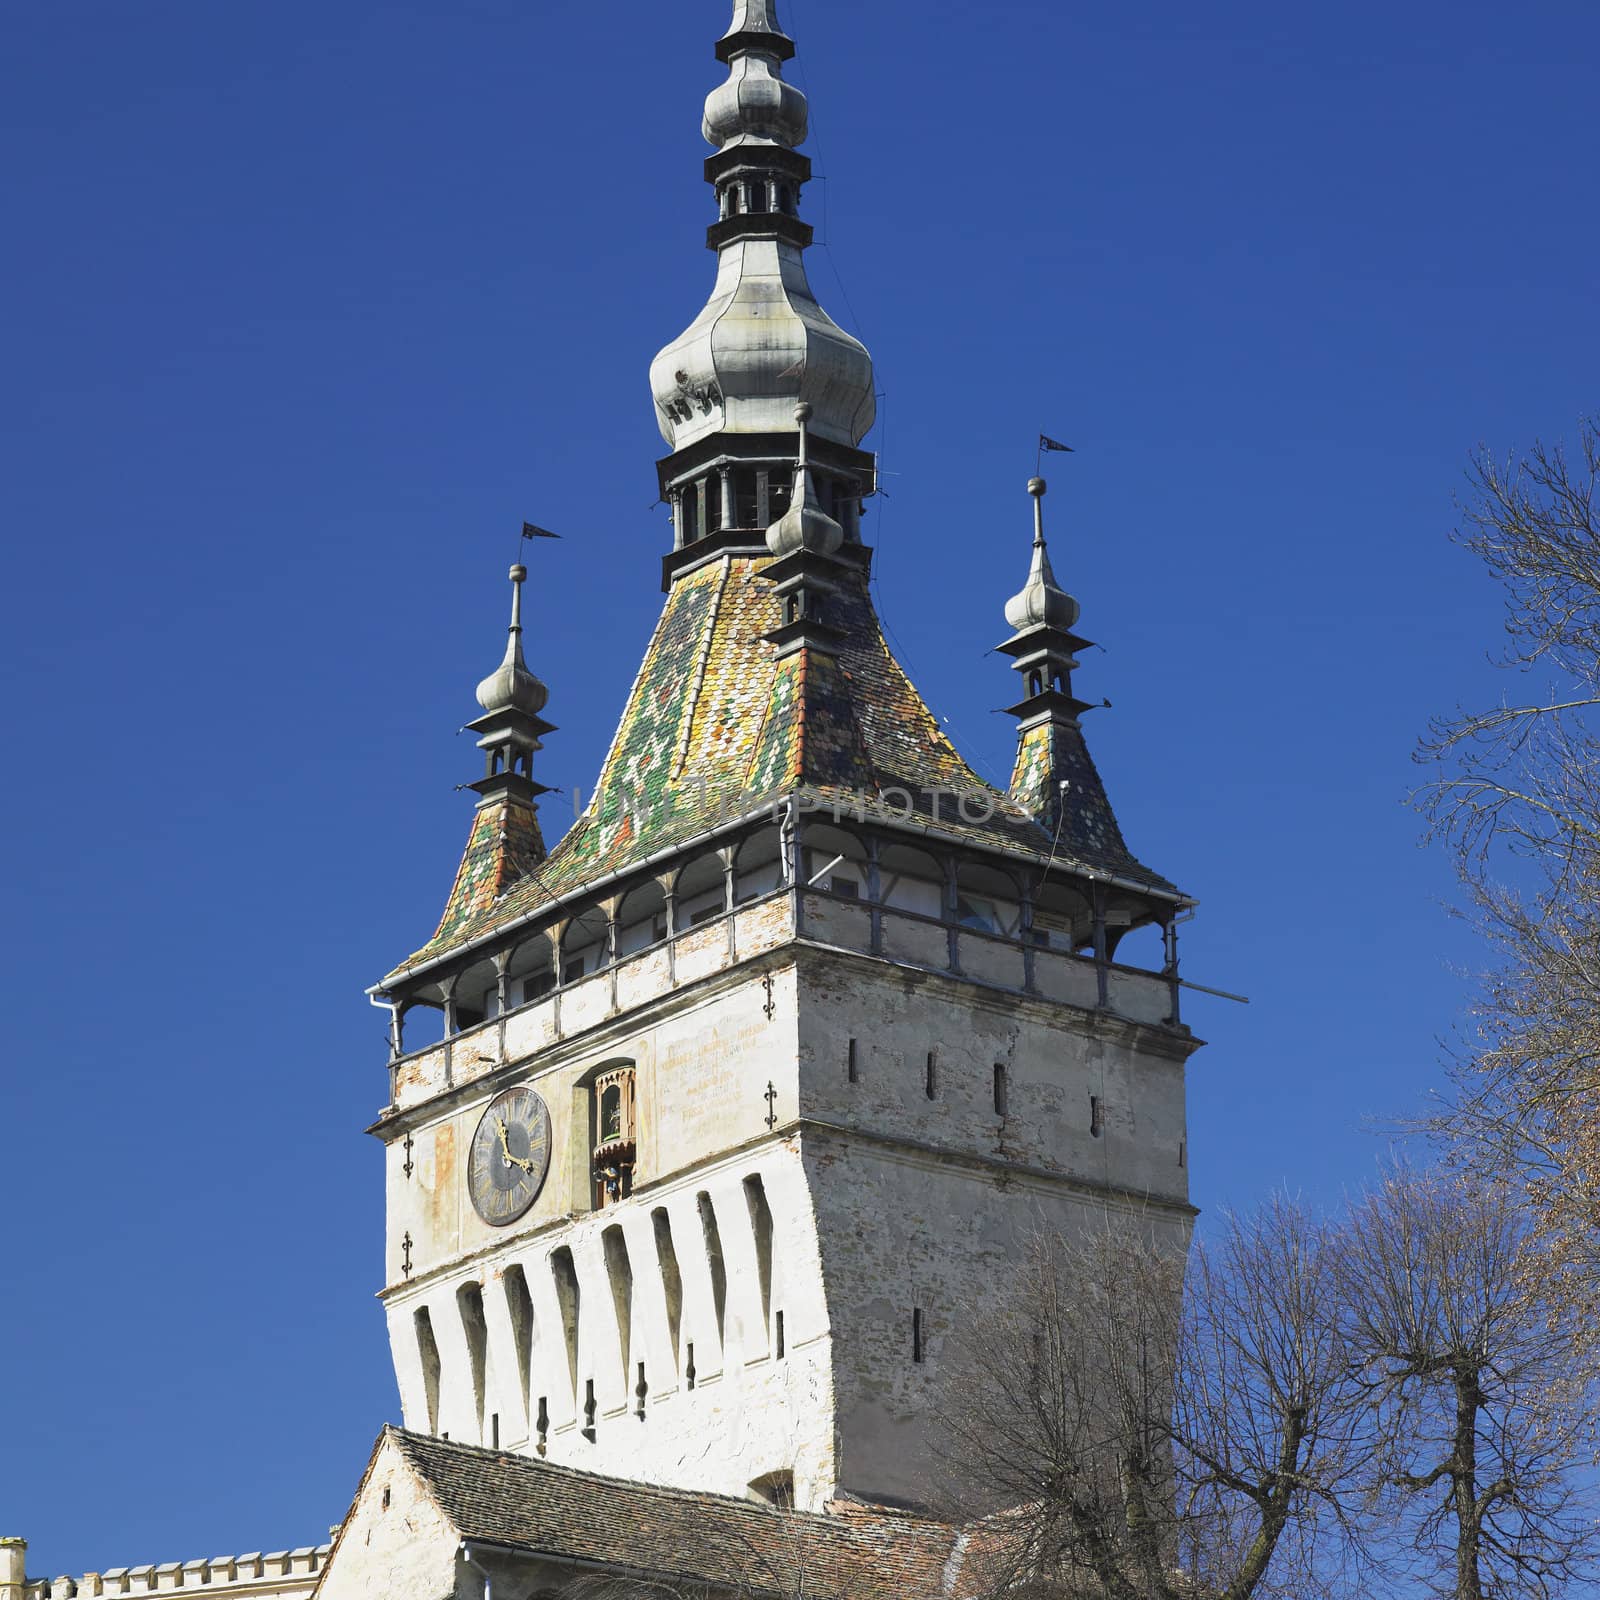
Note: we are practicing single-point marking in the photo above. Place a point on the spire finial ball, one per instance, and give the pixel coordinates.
(1036, 487)
(518, 573)
(802, 412)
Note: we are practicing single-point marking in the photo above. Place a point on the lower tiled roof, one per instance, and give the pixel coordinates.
(519, 1503)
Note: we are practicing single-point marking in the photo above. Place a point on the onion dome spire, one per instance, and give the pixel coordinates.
(1041, 599)
(510, 730)
(755, 27)
(726, 388)
(511, 686)
(1043, 646)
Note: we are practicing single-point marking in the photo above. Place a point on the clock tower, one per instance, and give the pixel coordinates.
(749, 1085)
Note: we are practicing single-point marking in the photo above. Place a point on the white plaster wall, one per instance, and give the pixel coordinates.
(1058, 1059)
(942, 1236)
(702, 1062)
(749, 1414)
(882, 1198)
(404, 1550)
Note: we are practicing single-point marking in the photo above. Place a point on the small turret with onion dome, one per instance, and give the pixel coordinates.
(727, 387)
(1043, 647)
(511, 728)
(806, 542)
(805, 525)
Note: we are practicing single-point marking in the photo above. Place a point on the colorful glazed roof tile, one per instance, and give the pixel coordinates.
(718, 727)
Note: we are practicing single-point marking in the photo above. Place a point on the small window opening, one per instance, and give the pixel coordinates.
(494, 1430)
(1096, 1121)
(1035, 683)
(780, 488)
(640, 1390)
(712, 494)
(776, 1488)
(386, 1497)
(589, 1409)
(851, 1070)
(918, 1349)
(978, 914)
(1183, 1152)
(777, 1335)
(688, 1369)
(999, 1089)
(930, 1082)
(744, 498)
(543, 1424)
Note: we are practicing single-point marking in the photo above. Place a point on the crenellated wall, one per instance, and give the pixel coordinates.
(281, 1574)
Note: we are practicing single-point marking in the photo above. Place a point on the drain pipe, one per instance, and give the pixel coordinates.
(465, 1552)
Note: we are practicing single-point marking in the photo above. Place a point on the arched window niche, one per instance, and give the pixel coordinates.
(531, 971)
(834, 860)
(912, 880)
(1063, 919)
(988, 900)
(700, 892)
(758, 866)
(585, 945)
(641, 919)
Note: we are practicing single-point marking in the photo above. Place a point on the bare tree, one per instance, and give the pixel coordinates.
(1515, 790)
(1480, 1418)
(1148, 1443)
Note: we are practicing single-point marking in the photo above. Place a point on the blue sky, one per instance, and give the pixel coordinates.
(312, 304)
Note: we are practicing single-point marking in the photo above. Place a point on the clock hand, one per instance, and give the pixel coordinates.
(511, 1160)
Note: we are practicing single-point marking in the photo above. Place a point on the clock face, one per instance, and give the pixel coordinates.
(510, 1156)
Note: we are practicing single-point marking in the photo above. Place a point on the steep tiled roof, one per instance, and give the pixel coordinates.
(717, 725)
(1052, 753)
(519, 1503)
(505, 845)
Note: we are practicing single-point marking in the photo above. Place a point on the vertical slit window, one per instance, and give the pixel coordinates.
(778, 1335)
(565, 1277)
(714, 1262)
(918, 1346)
(1096, 1118)
(469, 1299)
(930, 1079)
(851, 1069)
(671, 1277)
(755, 1197)
(619, 1273)
(1000, 1090)
(519, 1309)
(428, 1354)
